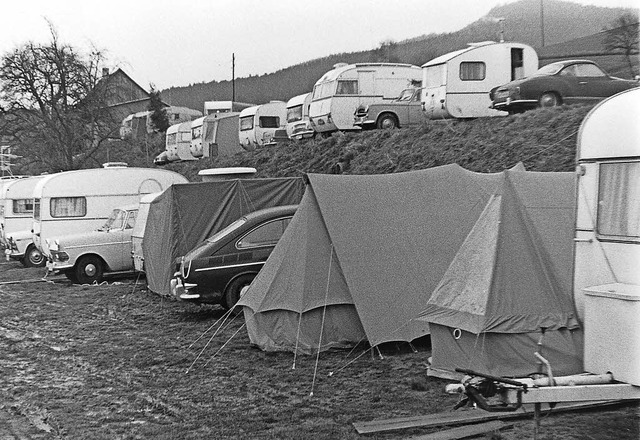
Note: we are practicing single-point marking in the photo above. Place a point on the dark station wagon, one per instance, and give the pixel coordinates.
(563, 82)
(220, 268)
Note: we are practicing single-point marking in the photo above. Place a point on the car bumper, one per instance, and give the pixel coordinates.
(514, 103)
(189, 292)
(57, 267)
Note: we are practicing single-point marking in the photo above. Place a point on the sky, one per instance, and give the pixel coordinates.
(177, 43)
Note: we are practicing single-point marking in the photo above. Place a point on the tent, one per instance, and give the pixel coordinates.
(361, 257)
(186, 214)
(511, 278)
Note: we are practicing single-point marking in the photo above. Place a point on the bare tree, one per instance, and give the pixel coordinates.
(54, 104)
(623, 36)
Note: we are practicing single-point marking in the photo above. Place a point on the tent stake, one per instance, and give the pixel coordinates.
(379, 353)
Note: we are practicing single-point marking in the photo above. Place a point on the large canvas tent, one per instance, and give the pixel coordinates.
(511, 278)
(186, 214)
(361, 257)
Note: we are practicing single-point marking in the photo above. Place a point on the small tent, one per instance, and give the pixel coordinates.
(361, 257)
(511, 278)
(186, 214)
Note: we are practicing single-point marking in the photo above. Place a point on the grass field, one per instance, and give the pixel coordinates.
(118, 362)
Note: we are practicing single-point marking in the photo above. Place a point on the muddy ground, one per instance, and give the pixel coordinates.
(115, 361)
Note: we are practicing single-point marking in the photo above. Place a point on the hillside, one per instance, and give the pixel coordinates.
(543, 140)
(563, 21)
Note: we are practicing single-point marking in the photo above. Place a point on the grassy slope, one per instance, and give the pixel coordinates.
(544, 140)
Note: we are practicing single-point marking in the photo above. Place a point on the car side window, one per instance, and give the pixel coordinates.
(590, 70)
(131, 220)
(569, 71)
(266, 234)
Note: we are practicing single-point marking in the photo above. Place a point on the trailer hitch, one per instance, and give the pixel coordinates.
(478, 391)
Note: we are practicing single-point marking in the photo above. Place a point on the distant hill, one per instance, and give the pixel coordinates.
(563, 21)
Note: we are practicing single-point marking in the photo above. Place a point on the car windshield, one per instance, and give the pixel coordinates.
(115, 220)
(549, 69)
(405, 95)
(226, 231)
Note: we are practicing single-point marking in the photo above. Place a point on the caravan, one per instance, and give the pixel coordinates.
(16, 217)
(340, 91)
(259, 123)
(178, 142)
(214, 107)
(298, 125)
(457, 84)
(215, 135)
(82, 200)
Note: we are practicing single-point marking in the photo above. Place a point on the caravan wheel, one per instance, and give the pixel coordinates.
(236, 289)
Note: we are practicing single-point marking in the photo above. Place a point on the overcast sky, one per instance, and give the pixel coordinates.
(176, 43)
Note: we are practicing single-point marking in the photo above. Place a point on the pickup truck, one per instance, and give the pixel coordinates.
(403, 111)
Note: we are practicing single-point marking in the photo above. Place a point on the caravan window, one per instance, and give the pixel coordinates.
(171, 138)
(347, 87)
(23, 206)
(472, 70)
(323, 90)
(435, 76)
(68, 207)
(246, 123)
(294, 113)
(269, 121)
(619, 201)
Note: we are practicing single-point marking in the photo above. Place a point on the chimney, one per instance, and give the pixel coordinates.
(105, 71)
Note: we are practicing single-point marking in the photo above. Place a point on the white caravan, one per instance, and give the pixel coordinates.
(138, 125)
(298, 125)
(607, 239)
(16, 218)
(82, 200)
(215, 135)
(212, 107)
(178, 142)
(457, 84)
(259, 123)
(340, 91)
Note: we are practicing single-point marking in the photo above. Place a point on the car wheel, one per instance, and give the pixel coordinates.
(387, 122)
(549, 99)
(236, 289)
(89, 269)
(33, 257)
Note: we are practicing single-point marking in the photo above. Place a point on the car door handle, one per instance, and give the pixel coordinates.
(583, 82)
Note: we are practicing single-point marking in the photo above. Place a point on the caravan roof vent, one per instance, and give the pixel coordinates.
(338, 65)
(115, 165)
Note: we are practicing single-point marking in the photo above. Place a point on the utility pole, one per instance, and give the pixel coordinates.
(542, 22)
(233, 77)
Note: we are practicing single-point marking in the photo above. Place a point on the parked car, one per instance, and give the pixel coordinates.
(563, 82)
(86, 256)
(217, 271)
(403, 111)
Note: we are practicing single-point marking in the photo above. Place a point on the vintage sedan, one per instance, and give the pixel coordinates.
(563, 82)
(403, 111)
(219, 269)
(86, 256)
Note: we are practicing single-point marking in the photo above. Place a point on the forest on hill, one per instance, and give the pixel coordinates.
(563, 21)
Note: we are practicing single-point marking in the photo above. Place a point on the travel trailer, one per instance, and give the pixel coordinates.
(259, 123)
(178, 142)
(16, 218)
(138, 125)
(298, 125)
(82, 200)
(215, 135)
(457, 84)
(340, 91)
(211, 107)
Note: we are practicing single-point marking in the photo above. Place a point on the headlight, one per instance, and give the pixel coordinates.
(53, 245)
(58, 256)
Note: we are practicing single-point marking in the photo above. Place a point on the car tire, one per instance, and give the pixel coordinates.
(549, 99)
(387, 121)
(33, 257)
(89, 269)
(236, 289)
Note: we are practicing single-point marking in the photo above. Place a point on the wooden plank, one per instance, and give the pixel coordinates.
(464, 431)
(463, 417)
